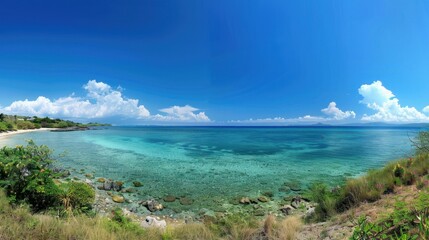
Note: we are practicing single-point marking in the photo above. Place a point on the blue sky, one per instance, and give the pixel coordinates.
(223, 62)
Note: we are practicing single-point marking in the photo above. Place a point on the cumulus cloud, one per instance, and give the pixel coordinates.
(185, 113)
(101, 101)
(387, 107)
(426, 109)
(332, 111)
(336, 113)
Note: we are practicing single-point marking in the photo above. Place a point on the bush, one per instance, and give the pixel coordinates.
(78, 196)
(421, 143)
(26, 177)
(325, 200)
(24, 125)
(398, 171)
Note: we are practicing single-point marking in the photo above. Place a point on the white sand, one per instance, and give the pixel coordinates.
(4, 135)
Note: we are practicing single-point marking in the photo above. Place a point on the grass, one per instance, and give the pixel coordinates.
(370, 187)
(19, 223)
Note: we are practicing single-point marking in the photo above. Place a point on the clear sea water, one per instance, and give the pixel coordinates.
(213, 165)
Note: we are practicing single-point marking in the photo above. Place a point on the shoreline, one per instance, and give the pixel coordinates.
(4, 135)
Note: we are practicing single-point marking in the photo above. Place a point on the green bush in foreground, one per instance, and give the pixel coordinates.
(77, 196)
(404, 223)
(26, 177)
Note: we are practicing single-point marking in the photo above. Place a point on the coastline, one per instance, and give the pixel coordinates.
(4, 135)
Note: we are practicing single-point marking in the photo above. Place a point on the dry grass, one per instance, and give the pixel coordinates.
(283, 229)
(287, 229)
(194, 231)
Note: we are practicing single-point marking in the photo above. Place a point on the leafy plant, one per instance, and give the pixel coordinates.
(26, 177)
(77, 196)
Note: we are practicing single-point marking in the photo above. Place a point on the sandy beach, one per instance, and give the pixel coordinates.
(4, 135)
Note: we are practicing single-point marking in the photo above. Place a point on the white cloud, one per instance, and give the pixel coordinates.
(102, 101)
(426, 109)
(386, 105)
(336, 113)
(262, 120)
(185, 113)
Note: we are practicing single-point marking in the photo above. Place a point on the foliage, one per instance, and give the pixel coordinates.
(403, 223)
(421, 142)
(325, 200)
(398, 171)
(26, 177)
(77, 197)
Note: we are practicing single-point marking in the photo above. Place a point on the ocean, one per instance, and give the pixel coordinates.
(215, 165)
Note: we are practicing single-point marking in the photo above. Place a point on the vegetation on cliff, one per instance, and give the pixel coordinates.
(14, 122)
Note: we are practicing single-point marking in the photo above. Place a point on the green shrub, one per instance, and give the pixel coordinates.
(78, 195)
(398, 171)
(421, 143)
(24, 125)
(325, 200)
(26, 177)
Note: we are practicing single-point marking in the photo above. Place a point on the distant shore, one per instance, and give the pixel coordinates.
(4, 135)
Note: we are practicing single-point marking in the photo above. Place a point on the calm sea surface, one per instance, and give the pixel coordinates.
(212, 165)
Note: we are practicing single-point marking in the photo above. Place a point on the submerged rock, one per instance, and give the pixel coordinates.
(186, 201)
(108, 185)
(263, 199)
(169, 198)
(89, 175)
(269, 194)
(117, 186)
(128, 190)
(244, 200)
(118, 198)
(152, 205)
(285, 189)
(137, 184)
(294, 186)
(101, 180)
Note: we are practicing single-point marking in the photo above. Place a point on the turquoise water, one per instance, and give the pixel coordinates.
(213, 165)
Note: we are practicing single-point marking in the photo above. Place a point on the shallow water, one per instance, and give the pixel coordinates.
(212, 165)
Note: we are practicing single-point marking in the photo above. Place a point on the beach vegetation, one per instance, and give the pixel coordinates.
(14, 122)
(407, 221)
(26, 177)
(77, 197)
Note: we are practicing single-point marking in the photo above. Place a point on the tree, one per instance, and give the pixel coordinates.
(2, 116)
(421, 142)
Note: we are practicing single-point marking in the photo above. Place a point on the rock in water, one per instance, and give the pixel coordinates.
(108, 185)
(186, 201)
(118, 199)
(117, 186)
(169, 198)
(263, 199)
(101, 180)
(137, 184)
(245, 200)
(152, 205)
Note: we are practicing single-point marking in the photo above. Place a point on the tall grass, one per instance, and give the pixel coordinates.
(368, 188)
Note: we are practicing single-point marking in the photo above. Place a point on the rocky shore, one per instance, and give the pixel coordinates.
(128, 196)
